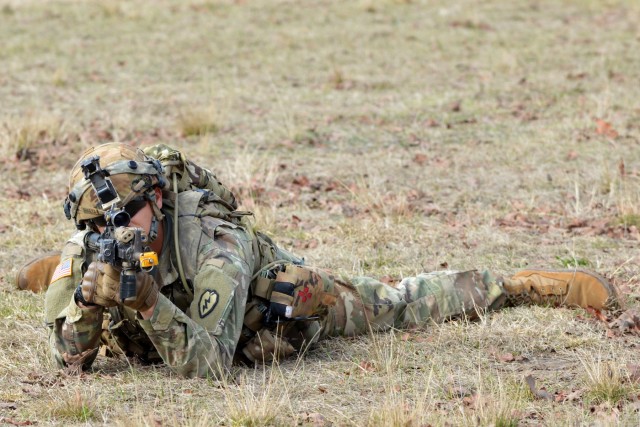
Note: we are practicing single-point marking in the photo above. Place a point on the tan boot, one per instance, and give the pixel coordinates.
(560, 287)
(36, 274)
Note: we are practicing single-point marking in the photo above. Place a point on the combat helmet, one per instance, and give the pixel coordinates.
(127, 170)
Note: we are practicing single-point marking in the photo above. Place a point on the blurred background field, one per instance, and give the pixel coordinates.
(378, 137)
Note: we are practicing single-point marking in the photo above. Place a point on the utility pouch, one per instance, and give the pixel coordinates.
(300, 292)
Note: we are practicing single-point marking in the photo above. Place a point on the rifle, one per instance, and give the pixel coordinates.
(119, 245)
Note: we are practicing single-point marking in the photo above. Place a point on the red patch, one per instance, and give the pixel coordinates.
(304, 294)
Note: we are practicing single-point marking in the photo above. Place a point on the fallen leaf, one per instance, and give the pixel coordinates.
(560, 396)
(576, 76)
(605, 129)
(301, 180)
(420, 159)
(367, 366)
(572, 155)
(315, 419)
(597, 314)
(473, 401)
(15, 422)
(538, 394)
(507, 357)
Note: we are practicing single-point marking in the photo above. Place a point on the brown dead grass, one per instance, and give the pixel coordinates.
(377, 137)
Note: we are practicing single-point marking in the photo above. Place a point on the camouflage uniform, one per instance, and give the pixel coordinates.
(239, 296)
(223, 259)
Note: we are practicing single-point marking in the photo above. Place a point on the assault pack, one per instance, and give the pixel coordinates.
(283, 291)
(182, 174)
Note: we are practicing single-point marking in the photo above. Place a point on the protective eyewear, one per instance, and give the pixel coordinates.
(132, 208)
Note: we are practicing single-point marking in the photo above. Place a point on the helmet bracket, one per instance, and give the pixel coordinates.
(100, 182)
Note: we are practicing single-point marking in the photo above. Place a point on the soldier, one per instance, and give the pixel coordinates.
(223, 291)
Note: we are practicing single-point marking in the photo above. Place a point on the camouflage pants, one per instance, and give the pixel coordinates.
(365, 304)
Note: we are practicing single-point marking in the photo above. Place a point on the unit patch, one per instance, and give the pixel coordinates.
(208, 301)
(62, 270)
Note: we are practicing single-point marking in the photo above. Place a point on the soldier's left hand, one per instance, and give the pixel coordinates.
(101, 285)
(146, 293)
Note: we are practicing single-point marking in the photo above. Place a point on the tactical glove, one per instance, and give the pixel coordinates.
(100, 285)
(146, 293)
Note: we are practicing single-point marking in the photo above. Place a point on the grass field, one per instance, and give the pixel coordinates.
(373, 137)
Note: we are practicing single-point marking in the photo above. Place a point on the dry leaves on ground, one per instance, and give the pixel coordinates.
(605, 129)
(627, 323)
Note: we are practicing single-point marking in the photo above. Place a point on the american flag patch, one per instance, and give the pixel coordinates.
(62, 270)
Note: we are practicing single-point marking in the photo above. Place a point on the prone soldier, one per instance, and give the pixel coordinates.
(222, 291)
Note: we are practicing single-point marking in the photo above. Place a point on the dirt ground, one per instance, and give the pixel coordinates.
(372, 137)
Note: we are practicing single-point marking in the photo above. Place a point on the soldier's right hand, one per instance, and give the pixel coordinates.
(101, 285)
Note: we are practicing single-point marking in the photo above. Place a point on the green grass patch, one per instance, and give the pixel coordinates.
(572, 262)
(629, 220)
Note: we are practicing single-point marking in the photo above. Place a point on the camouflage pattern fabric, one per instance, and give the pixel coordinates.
(199, 335)
(190, 176)
(365, 304)
(195, 336)
(362, 304)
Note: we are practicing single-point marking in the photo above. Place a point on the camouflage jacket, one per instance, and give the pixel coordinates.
(194, 335)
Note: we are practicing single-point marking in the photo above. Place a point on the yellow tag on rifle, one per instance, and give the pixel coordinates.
(148, 259)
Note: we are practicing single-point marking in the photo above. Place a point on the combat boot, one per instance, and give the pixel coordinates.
(36, 274)
(569, 288)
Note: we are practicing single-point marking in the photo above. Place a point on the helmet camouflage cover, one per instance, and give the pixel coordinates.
(130, 170)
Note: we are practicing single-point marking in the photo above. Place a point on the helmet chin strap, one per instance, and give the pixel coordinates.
(157, 215)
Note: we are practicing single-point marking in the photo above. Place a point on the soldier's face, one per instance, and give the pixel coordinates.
(142, 219)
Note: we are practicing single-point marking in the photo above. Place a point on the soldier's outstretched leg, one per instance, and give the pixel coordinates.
(365, 304)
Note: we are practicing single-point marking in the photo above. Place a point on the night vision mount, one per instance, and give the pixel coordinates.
(100, 182)
(106, 192)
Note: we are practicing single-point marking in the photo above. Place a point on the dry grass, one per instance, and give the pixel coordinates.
(371, 137)
(23, 133)
(198, 121)
(605, 380)
(71, 409)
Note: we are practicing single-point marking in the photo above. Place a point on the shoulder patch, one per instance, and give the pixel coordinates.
(216, 262)
(208, 301)
(64, 269)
